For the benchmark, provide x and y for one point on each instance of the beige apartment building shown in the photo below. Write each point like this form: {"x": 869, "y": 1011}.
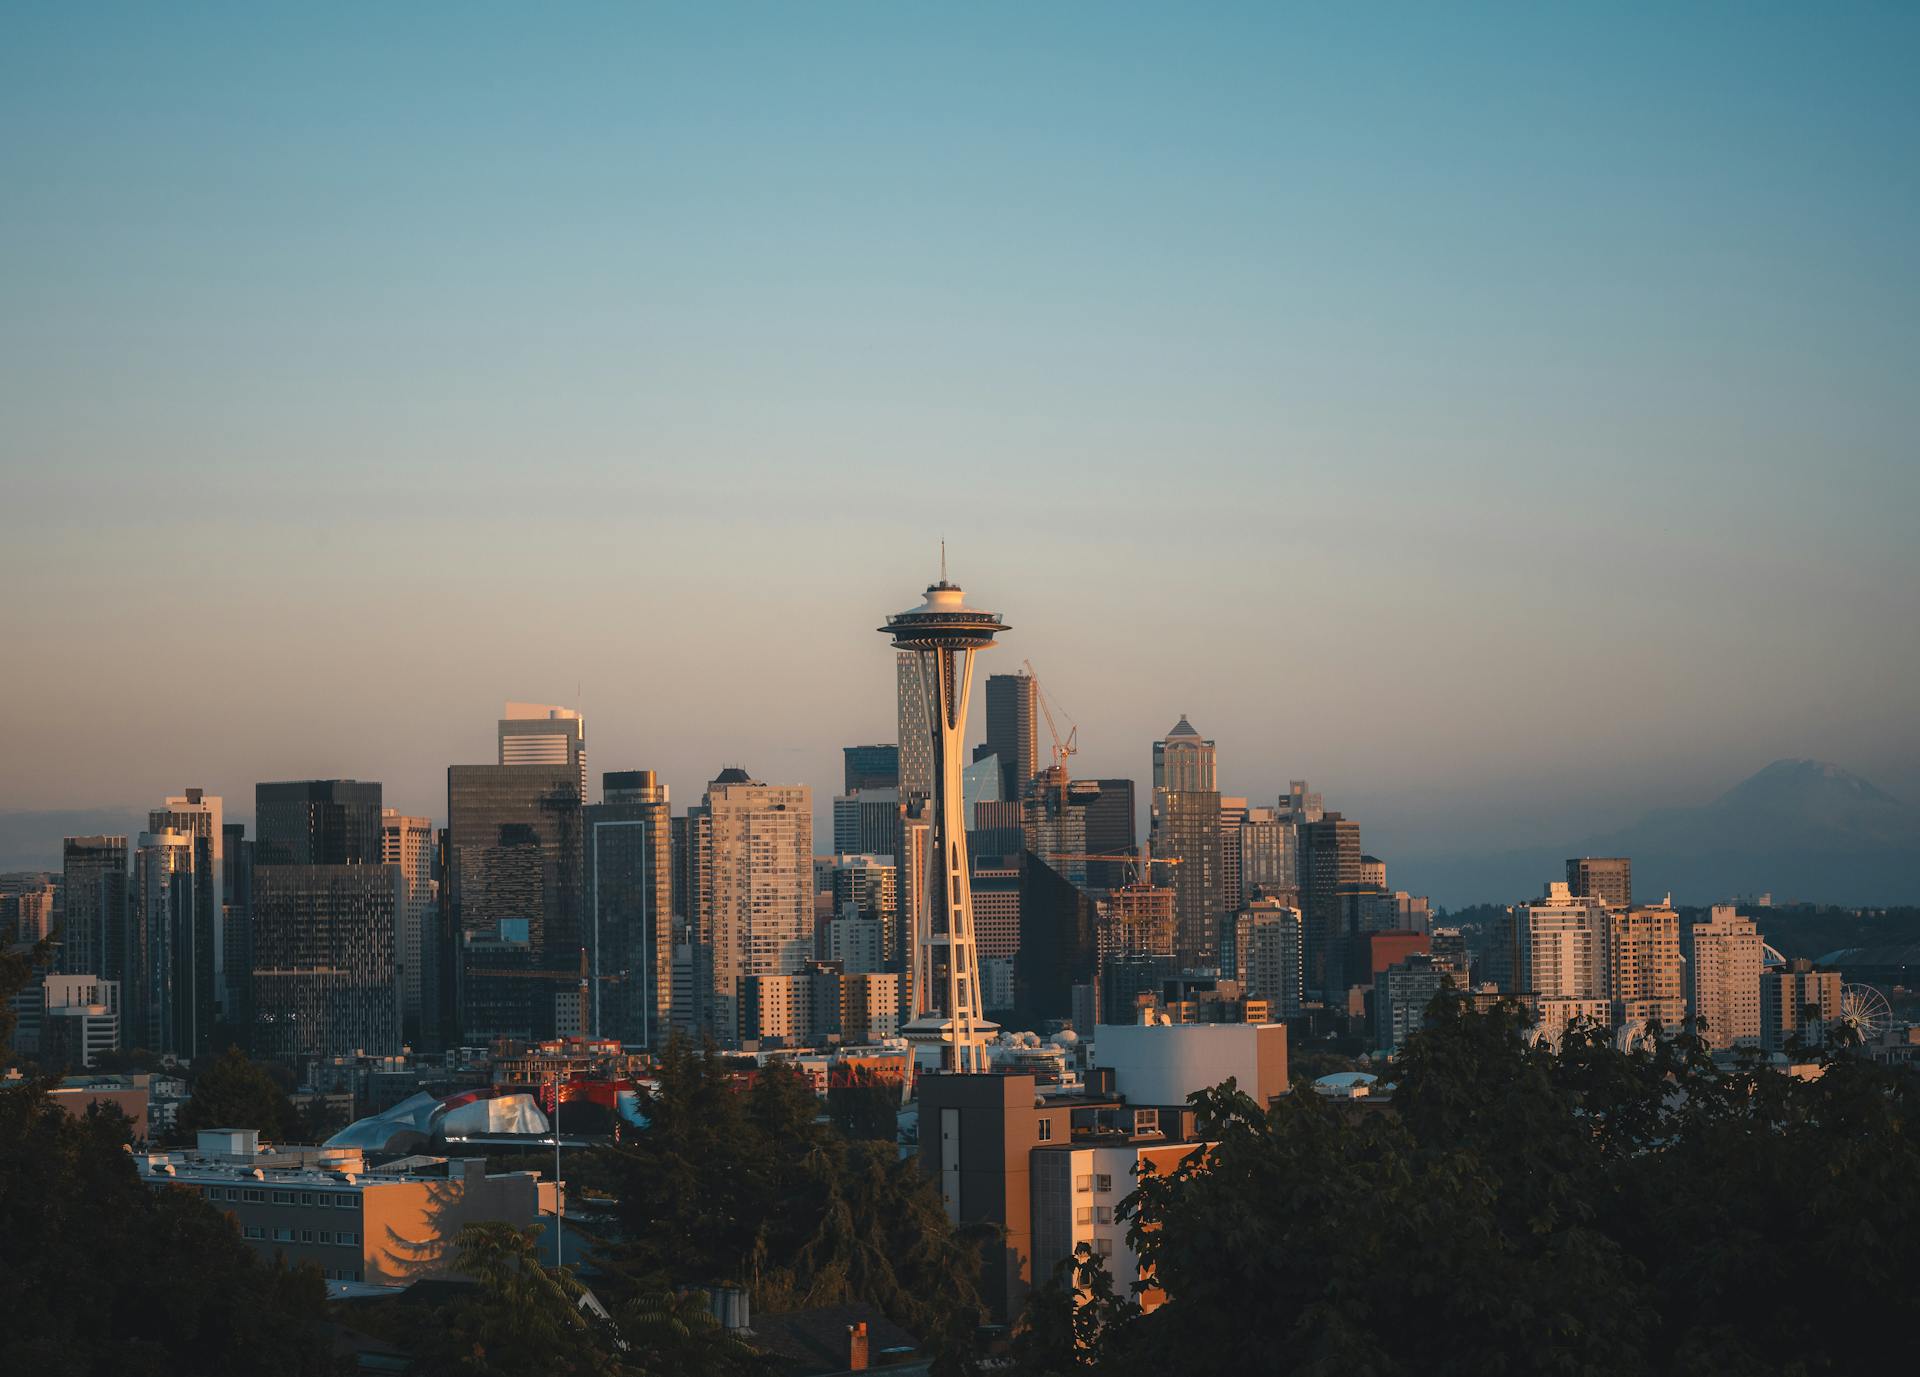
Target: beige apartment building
{"x": 390, "y": 1225}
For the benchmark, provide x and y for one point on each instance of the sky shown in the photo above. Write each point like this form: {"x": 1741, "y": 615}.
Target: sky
{"x": 1502, "y": 416}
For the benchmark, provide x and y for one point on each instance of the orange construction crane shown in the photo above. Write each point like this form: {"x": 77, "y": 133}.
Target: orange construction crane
{"x": 1061, "y": 749}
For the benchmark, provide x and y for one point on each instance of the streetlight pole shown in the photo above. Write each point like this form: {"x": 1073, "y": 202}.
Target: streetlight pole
{"x": 559, "y": 1189}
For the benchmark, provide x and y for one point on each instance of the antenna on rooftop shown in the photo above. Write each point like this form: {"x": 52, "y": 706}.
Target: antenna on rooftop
{"x": 943, "y": 559}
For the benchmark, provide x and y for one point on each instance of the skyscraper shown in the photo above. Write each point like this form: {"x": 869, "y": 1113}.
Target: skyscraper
{"x": 1646, "y": 972}
{"x": 750, "y": 876}
{"x": 198, "y": 814}
{"x": 325, "y": 982}
{"x": 1329, "y": 852}
{"x": 1187, "y": 829}
{"x": 1011, "y": 731}
{"x": 942, "y": 635}
{"x": 1561, "y": 947}
{"x": 94, "y": 903}
{"x": 1183, "y": 762}
{"x": 1797, "y": 1003}
{"x": 872, "y": 767}
{"x": 1606, "y": 878}
{"x": 236, "y": 921}
{"x": 542, "y": 734}
{"x": 1269, "y": 863}
{"x": 1233, "y": 817}
{"x": 167, "y": 996}
{"x": 515, "y": 853}
{"x": 1724, "y": 966}
{"x": 1111, "y": 831}
{"x": 408, "y": 843}
{"x": 316, "y": 822}
{"x": 916, "y": 728}
{"x": 629, "y": 927}
{"x": 1268, "y": 956}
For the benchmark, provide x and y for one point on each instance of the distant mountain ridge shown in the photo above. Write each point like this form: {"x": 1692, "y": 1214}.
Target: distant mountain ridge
{"x": 1798, "y": 829}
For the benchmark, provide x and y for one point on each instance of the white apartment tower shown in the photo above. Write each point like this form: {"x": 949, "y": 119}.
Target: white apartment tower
{"x": 750, "y": 881}
{"x": 1563, "y": 956}
{"x": 542, "y": 734}
{"x": 1723, "y": 978}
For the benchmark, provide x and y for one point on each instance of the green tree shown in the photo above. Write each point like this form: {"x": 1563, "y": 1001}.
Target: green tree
{"x": 749, "y": 1185}
{"x": 101, "y": 1272}
{"x": 1522, "y": 1209}
{"x": 233, "y": 1092}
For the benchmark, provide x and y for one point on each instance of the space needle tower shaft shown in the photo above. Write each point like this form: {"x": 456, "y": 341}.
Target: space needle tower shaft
{"x": 946, "y": 1029}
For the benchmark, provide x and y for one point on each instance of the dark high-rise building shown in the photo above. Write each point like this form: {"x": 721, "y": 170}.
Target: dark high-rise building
{"x": 1110, "y": 832}
{"x": 872, "y": 767}
{"x": 515, "y": 852}
{"x": 236, "y": 919}
{"x": 1058, "y": 944}
{"x": 94, "y": 902}
{"x": 629, "y": 926}
{"x": 325, "y": 981}
{"x": 316, "y": 822}
{"x": 1329, "y": 850}
{"x": 1606, "y": 878}
{"x": 1011, "y": 731}
{"x": 167, "y": 999}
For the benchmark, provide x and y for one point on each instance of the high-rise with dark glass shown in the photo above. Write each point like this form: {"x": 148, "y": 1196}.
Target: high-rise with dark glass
{"x": 872, "y": 767}
{"x": 94, "y": 900}
{"x": 1111, "y": 832}
{"x": 1329, "y": 852}
{"x": 316, "y": 822}
{"x": 325, "y": 982}
{"x": 629, "y": 923}
{"x": 1011, "y": 731}
{"x": 514, "y": 852}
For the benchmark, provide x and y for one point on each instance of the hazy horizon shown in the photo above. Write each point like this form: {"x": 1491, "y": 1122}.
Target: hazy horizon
{"x": 1504, "y": 423}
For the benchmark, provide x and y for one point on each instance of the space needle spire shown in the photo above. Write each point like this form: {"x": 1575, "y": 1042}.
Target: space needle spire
{"x": 946, "y": 1029}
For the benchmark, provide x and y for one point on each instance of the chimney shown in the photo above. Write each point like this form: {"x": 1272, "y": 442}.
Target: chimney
{"x": 857, "y": 1347}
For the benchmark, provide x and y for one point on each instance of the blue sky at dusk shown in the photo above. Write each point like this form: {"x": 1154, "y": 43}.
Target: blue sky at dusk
{"x": 1503, "y": 416}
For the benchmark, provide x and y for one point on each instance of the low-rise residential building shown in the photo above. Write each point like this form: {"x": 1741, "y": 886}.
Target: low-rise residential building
{"x": 324, "y": 1206}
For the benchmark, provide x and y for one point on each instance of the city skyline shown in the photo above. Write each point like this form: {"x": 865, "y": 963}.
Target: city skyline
{"x": 649, "y": 311}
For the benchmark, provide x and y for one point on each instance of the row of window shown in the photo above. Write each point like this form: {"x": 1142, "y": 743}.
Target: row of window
{"x": 1093, "y": 1214}
{"x": 286, "y": 1235}
{"x": 1099, "y": 1182}
{"x": 322, "y": 1199}
{"x": 341, "y": 1273}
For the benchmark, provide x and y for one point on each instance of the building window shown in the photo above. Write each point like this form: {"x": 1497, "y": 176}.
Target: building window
{"x": 254, "y": 1231}
{"x": 1102, "y": 1215}
{"x": 1083, "y": 1215}
{"x": 306, "y": 1197}
{"x": 283, "y": 1197}
{"x": 1103, "y": 1246}
{"x": 257, "y": 1197}
{"x": 1046, "y": 1130}
{"x": 326, "y": 1235}
{"x": 283, "y": 1235}
{"x": 1083, "y": 1183}
{"x": 345, "y": 1202}
{"x": 1103, "y": 1182}
{"x": 306, "y": 1235}
{"x": 350, "y": 1240}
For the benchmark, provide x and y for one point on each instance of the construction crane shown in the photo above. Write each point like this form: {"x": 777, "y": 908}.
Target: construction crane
{"x": 1061, "y": 748}
{"x": 1144, "y": 862}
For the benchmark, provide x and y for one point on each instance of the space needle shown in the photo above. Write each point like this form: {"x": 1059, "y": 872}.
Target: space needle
{"x": 946, "y": 1030}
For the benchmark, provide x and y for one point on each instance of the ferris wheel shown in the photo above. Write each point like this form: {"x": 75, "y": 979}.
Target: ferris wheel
{"x": 1864, "y": 1009}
